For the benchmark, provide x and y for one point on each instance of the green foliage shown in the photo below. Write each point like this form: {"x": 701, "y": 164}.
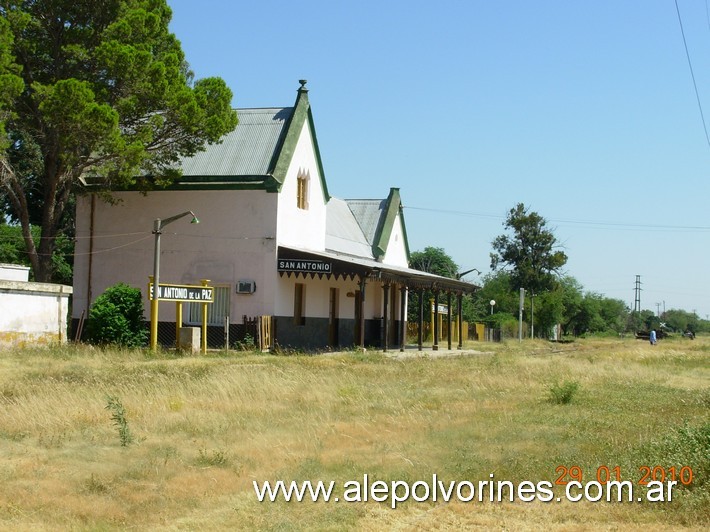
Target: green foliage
{"x": 434, "y": 260}
{"x": 548, "y": 311}
{"x": 109, "y": 97}
{"x": 431, "y": 260}
{"x": 116, "y": 318}
{"x": 578, "y": 312}
{"x": 118, "y": 416}
{"x": 562, "y": 394}
{"x": 529, "y": 251}
{"x": 13, "y": 250}
{"x": 497, "y": 286}
{"x": 10, "y": 82}
{"x": 614, "y": 312}
{"x": 685, "y": 447}
{"x": 216, "y": 458}
{"x": 246, "y": 344}
{"x": 12, "y": 247}
{"x": 681, "y": 321}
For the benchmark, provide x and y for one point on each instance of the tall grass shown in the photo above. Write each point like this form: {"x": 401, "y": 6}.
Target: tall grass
{"x": 204, "y": 428}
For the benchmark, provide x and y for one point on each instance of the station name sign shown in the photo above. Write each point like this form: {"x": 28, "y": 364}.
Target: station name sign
{"x": 179, "y": 292}
{"x": 304, "y": 266}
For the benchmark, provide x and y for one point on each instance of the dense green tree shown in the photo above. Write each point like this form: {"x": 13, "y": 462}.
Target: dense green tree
{"x": 10, "y": 83}
{"x": 528, "y": 252}
{"x": 14, "y": 251}
{"x": 548, "y": 312}
{"x": 614, "y": 312}
{"x": 648, "y": 320}
{"x": 434, "y": 260}
{"x": 681, "y": 321}
{"x": 431, "y": 260}
{"x": 106, "y": 93}
{"x": 497, "y": 286}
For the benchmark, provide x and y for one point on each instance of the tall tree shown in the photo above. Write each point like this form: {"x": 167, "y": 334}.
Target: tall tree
{"x": 434, "y": 260}
{"x": 10, "y": 88}
{"x": 106, "y": 93}
{"x": 529, "y": 252}
{"x": 431, "y": 260}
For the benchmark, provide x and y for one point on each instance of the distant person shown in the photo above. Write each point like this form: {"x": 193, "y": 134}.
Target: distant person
{"x": 652, "y": 337}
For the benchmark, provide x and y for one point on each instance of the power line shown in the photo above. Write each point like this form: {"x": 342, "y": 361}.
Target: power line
{"x": 692, "y": 74}
{"x": 608, "y": 225}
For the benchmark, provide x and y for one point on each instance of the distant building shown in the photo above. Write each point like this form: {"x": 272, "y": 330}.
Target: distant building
{"x": 271, "y": 240}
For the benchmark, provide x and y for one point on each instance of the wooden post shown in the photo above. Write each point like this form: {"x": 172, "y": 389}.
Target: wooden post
{"x": 361, "y": 340}
{"x": 385, "y": 312}
{"x": 204, "y": 282}
{"x": 420, "y": 334}
{"x": 448, "y": 321}
{"x": 459, "y": 297}
{"x": 178, "y": 323}
{"x": 403, "y": 317}
{"x": 435, "y": 345}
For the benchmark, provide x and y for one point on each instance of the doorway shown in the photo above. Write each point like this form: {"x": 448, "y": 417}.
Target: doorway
{"x": 333, "y": 318}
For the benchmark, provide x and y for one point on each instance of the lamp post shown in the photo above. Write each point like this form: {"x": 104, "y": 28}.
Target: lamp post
{"x": 158, "y": 225}
{"x": 491, "y": 330}
{"x": 461, "y": 274}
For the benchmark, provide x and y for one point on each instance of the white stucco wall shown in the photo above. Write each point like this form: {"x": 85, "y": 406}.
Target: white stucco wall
{"x": 296, "y": 227}
{"x": 234, "y": 240}
{"x": 396, "y": 254}
{"x": 33, "y": 313}
{"x": 14, "y": 272}
{"x": 318, "y": 297}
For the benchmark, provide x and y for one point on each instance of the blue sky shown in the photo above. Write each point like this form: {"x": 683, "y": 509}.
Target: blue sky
{"x": 583, "y": 111}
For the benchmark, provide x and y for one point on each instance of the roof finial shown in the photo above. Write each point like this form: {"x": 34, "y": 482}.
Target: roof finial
{"x": 303, "y": 84}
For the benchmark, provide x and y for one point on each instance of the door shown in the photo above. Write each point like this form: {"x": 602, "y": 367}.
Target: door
{"x": 333, "y": 318}
{"x": 358, "y": 317}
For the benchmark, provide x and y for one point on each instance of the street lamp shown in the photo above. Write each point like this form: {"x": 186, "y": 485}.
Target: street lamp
{"x": 493, "y": 304}
{"x": 459, "y": 275}
{"x": 158, "y": 225}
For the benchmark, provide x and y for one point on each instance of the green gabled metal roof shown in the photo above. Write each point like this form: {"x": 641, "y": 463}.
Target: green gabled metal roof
{"x": 301, "y": 113}
{"x": 376, "y": 218}
{"x": 343, "y": 234}
{"x": 367, "y": 213}
{"x": 258, "y": 153}
{"x": 249, "y": 150}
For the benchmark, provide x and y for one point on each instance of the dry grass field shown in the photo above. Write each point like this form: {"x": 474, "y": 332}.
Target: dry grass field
{"x": 198, "y": 431}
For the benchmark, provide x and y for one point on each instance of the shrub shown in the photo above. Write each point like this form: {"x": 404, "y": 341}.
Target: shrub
{"x": 562, "y": 394}
{"x": 116, "y": 318}
{"x": 118, "y": 416}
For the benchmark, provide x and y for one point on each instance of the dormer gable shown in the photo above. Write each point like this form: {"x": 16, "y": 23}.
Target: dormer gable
{"x": 301, "y": 115}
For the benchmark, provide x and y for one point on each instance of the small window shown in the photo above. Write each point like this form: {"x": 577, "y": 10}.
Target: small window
{"x": 299, "y": 304}
{"x": 216, "y": 311}
{"x": 302, "y": 191}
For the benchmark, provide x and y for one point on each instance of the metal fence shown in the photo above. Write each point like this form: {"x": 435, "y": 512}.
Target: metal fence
{"x": 251, "y": 333}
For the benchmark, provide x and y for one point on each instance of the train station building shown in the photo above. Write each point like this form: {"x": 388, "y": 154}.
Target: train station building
{"x": 323, "y": 272}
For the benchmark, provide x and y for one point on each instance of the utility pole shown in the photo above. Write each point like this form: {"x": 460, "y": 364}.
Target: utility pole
{"x": 637, "y": 295}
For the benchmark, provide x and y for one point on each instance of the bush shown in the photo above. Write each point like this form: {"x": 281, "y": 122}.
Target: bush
{"x": 562, "y": 394}
{"x": 116, "y": 318}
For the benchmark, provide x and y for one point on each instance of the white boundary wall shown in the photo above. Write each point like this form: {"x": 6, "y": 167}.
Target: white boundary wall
{"x": 33, "y": 313}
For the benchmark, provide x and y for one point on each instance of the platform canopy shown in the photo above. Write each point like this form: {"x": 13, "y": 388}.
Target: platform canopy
{"x": 293, "y": 261}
